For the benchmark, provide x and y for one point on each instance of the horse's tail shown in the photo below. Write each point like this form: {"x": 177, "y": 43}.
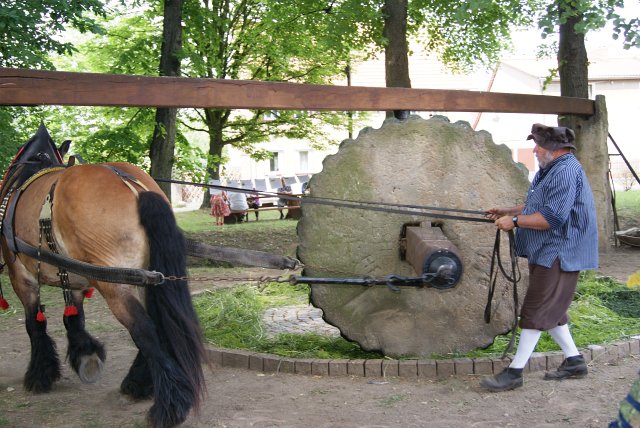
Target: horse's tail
{"x": 169, "y": 304}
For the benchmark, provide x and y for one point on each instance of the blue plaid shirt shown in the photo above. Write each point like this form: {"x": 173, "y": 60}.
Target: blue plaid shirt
{"x": 561, "y": 193}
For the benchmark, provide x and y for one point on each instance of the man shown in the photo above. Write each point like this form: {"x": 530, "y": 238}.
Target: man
{"x": 286, "y": 190}
{"x": 557, "y": 233}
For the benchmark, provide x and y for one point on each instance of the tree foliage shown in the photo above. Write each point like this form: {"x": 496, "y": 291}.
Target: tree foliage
{"x": 29, "y": 32}
{"x": 130, "y": 45}
{"x": 465, "y": 34}
{"x": 572, "y": 20}
{"x": 29, "y": 29}
{"x": 595, "y": 14}
{"x": 307, "y": 41}
{"x": 267, "y": 40}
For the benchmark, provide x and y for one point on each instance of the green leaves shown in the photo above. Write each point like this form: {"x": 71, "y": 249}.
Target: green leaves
{"x": 595, "y": 15}
{"x": 29, "y": 29}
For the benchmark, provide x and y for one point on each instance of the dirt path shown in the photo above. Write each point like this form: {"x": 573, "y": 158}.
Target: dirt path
{"x": 240, "y": 398}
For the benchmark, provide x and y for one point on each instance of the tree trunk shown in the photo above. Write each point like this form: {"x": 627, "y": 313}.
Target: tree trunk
{"x": 573, "y": 64}
{"x": 591, "y": 132}
{"x": 396, "y": 51}
{"x": 215, "y": 120}
{"x": 163, "y": 142}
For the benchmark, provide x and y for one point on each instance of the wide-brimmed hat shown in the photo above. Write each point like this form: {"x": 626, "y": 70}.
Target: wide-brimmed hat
{"x": 552, "y": 137}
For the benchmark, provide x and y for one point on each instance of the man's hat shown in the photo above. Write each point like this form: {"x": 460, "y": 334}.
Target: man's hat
{"x": 552, "y": 137}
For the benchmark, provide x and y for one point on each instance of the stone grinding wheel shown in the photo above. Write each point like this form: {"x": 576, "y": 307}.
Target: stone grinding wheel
{"x": 422, "y": 162}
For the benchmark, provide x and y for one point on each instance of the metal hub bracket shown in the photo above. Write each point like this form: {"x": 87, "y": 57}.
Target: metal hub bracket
{"x": 446, "y": 268}
{"x": 430, "y": 253}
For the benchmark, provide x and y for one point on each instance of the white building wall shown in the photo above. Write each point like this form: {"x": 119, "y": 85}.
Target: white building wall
{"x": 242, "y": 167}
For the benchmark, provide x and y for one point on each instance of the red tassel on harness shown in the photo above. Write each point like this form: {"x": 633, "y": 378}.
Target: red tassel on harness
{"x": 4, "y": 305}
{"x": 70, "y": 311}
{"x": 40, "y": 316}
{"x": 88, "y": 293}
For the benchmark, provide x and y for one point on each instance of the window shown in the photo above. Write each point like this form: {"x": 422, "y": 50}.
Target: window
{"x": 304, "y": 160}
{"x": 270, "y": 115}
{"x": 273, "y": 162}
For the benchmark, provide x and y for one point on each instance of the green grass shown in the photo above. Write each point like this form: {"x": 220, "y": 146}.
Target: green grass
{"x": 628, "y": 208}
{"x": 202, "y": 221}
{"x": 629, "y": 200}
{"x": 603, "y": 311}
{"x": 394, "y": 399}
{"x": 270, "y": 234}
{"x": 232, "y": 318}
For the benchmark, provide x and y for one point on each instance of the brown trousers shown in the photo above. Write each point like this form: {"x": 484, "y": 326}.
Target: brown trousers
{"x": 548, "y": 297}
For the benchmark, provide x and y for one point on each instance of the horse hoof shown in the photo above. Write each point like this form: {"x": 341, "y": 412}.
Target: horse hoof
{"x": 90, "y": 368}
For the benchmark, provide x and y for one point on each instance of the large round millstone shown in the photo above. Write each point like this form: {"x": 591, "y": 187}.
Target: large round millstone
{"x": 422, "y": 162}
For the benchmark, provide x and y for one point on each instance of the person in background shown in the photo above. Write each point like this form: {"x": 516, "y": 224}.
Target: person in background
{"x": 253, "y": 200}
{"x": 219, "y": 205}
{"x": 238, "y": 205}
{"x": 284, "y": 189}
{"x": 556, "y": 232}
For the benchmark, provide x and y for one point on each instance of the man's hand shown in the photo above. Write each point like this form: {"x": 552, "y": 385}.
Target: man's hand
{"x": 505, "y": 223}
{"x": 494, "y": 213}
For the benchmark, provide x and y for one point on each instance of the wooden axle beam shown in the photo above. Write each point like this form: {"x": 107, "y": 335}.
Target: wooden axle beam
{"x": 21, "y": 87}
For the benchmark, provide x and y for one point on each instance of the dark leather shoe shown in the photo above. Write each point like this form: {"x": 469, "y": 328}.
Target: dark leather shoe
{"x": 572, "y": 367}
{"x": 506, "y": 380}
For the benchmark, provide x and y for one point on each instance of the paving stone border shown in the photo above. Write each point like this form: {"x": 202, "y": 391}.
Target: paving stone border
{"x": 427, "y": 368}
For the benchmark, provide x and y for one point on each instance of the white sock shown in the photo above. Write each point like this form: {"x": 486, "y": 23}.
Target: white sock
{"x": 527, "y": 343}
{"x": 563, "y": 338}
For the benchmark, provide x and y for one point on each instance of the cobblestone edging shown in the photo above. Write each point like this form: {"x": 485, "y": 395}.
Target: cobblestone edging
{"x": 430, "y": 369}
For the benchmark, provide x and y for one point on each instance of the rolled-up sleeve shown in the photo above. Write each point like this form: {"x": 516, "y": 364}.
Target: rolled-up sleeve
{"x": 560, "y": 194}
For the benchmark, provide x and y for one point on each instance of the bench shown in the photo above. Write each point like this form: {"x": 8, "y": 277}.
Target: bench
{"x": 239, "y": 216}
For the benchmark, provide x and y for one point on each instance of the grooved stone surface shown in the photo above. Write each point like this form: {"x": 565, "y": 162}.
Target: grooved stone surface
{"x": 420, "y": 162}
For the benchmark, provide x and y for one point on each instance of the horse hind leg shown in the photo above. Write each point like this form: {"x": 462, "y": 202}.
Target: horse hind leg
{"x": 138, "y": 383}
{"x": 85, "y": 354}
{"x": 154, "y": 369}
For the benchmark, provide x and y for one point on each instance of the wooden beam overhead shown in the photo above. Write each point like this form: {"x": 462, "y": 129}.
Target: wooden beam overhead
{"x": 21, "y": 87}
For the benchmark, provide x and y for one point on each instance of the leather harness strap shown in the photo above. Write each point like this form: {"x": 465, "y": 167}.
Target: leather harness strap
{"x": 8, "y": 215}
{"x": 127, "y": 179}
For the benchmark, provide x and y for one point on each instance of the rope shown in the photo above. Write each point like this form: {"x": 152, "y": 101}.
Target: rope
{"x": 419, "y": 210}
{"x": 513, "y": 278}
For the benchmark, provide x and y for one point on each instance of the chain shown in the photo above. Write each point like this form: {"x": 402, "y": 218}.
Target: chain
{"x": 284, "y": 278}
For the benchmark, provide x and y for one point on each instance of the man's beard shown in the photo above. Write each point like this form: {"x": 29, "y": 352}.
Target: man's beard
{"x": 545, "y": 159}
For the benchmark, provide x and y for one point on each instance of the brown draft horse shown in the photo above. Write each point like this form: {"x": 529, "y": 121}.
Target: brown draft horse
{"x": 104, "y": 216}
